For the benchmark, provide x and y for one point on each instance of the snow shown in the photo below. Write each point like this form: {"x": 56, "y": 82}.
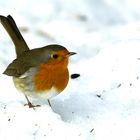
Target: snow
{"x": 103, "y": 103}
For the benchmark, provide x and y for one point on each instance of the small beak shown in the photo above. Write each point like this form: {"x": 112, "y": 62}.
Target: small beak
{"x": 71, "y": 53}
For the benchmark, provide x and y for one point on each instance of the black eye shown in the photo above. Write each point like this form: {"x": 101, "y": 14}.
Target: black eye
{"x": 55, "y": 56}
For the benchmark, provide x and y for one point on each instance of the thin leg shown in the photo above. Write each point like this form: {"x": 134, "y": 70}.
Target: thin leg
{"x": 30, "y": 104}
{"x": 49, "y": 103}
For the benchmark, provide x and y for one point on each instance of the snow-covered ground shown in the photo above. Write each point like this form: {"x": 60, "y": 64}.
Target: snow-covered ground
{"x": 104, "y": 102}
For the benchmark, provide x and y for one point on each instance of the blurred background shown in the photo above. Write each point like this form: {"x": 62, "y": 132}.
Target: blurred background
{"x": 75, "y": 24}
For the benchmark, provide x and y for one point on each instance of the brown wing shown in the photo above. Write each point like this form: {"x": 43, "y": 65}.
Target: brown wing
{"x": 29, "y": 59}
{"x": 16, "y": 68}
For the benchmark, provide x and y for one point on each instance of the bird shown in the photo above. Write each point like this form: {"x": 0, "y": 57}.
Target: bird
{"x": 40, "y": 73}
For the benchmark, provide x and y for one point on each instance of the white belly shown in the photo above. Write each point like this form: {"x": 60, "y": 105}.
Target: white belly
{"x": 44, "y": 95}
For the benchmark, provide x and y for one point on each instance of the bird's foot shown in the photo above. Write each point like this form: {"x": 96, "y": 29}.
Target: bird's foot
{"x": 30, "y": 105}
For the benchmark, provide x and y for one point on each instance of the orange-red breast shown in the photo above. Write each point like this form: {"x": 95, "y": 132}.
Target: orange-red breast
{"x": 40, "y": 72}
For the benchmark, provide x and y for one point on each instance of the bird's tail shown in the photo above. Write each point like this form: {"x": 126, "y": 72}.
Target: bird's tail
{"x": 13, "y": 31}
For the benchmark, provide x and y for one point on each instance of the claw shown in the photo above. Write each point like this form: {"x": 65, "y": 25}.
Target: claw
{"x": 31, "y": 105}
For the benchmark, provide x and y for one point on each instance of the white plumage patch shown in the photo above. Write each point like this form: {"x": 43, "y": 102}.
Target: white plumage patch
{"x": 45, "y": 94}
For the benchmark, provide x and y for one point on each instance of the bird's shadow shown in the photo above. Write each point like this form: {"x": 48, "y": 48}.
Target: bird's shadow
{"x": 81, "y": 106}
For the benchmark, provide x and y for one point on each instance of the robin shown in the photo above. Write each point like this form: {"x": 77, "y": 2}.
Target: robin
{"x": 40, "y": 72}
